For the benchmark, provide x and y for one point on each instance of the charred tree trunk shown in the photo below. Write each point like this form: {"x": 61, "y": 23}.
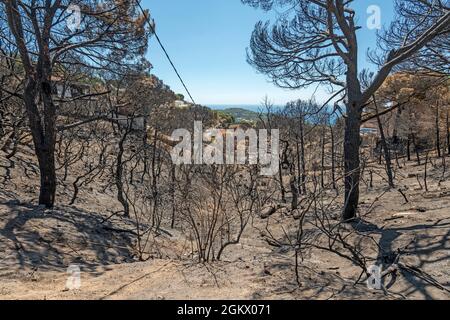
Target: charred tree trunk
{"x": 351, "y": 145}
{"x": 38, "y": 89}
{"x": 322, "y": 161}
{"x": 302, "y": 156}
{"x": 299, "y": 166}
{"x": 155, "y": 175}
{"x": 280, "y": 178}
{"x": 145, "y": 147}
{"x": 46, "y": 159}
{"x": 438, "y": 133}
{"x": 294, "y": 190}
{"x": 44, "y": 135}
{"x": 387, "y": 155}
{"x": 408, "y": 148}
{"x": 352, "y": 162}
{"x": 333, "y": 159}
{"x": 172, "y": 193}
{"x": 416, "y": 148}
{"x": 119, "y": 175}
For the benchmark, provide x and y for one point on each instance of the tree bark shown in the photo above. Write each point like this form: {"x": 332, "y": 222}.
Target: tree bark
{"x": 46, "y": 159}
{"x": 351, "y": 160}
{"x": 352, "y": 141}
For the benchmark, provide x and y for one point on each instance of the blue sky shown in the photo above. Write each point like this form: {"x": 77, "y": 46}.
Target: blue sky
{"x": 207, "y": 40}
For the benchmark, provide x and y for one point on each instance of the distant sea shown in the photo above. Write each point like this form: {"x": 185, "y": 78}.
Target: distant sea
{"x": 249, "y": 107}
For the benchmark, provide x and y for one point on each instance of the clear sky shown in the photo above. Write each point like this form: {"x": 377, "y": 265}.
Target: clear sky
{"x": 207, "y": 40}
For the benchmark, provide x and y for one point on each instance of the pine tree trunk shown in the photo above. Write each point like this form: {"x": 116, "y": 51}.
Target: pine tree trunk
{"x": 299, "y": 167}
{"x": 303, "y": 162}
{"x": 44, "y": 135}
{"x": 438, "y": 133}
{"x": 351, "y": 160}
{"x": 119, "y": 175}
{"x": 46, "y": 159}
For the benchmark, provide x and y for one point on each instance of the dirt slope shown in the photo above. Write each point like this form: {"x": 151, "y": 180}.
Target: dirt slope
{"x": 37, "y": 246}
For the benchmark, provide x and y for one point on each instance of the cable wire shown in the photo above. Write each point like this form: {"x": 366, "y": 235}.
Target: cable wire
{"x": 152, "y": 28}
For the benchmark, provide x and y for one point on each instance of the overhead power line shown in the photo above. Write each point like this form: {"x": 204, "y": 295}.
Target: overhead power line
{"x": 152, "y": 28}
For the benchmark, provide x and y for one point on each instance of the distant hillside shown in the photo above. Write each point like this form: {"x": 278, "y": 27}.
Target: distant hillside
{"x": 240, "y": 114}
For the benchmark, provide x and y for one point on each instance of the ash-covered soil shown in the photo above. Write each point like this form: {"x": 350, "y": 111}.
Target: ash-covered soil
{"x": 37, "y": 246}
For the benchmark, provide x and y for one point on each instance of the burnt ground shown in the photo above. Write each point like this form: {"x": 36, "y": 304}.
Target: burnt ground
{"x": 37, "y": 246}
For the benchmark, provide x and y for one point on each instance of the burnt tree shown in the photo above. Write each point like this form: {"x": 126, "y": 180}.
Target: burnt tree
{"x": 110, "y": 37}
{"x": 315, "y": 42}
